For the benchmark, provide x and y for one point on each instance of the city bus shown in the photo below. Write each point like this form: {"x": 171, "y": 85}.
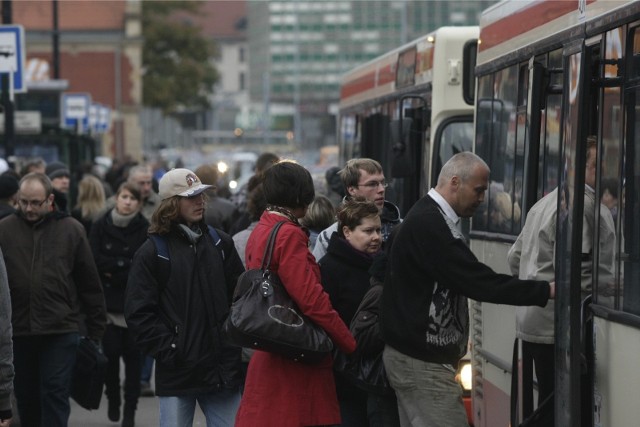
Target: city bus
{"x": 411, "y": 109}
{"x": 549, "y": 75}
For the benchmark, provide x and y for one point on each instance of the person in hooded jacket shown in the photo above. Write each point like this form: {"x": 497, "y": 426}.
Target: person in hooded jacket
{"x": 176, "y": 303}
{"x": 345, "y": 277}
{"x": 114, "y": 239}
{"x": 365, "y": 178}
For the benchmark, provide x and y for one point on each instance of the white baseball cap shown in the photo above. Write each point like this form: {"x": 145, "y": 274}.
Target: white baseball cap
{"x": 180, "y": 182}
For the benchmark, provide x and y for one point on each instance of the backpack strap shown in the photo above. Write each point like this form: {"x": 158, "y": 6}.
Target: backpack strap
{"x": 162, "y": 249}
{"x": 162, "y": 252}
{"x": 217, "y": 240}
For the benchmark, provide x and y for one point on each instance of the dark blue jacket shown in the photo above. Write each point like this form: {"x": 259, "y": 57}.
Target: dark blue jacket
{"x": 176, "y": 316}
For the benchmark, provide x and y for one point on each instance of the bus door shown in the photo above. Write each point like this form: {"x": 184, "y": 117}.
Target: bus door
{"x": 406, "y": 151}
{"x": 579, "y": 120}
{"x": 616, "y": 292}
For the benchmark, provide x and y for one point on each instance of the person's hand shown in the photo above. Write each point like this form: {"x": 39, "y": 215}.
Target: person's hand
{"x": 5, "y": 423}
{"x": 552, "y": 289}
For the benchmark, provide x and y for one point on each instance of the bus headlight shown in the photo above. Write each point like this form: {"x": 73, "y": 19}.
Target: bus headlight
{"x": 464, "y": 376}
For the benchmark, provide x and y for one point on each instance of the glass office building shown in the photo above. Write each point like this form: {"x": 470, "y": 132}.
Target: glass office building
{"x": 299, "y": 49}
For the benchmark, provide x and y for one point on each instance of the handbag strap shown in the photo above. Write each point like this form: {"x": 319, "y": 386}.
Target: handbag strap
{"x": 268, "y": 249}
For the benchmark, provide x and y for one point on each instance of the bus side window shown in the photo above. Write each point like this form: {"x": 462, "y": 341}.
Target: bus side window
{"x": 499, "y": 141}
{"x": 452, "y": 138}
{"x": 630, "y": 197}
{"x": 375, "y": 136}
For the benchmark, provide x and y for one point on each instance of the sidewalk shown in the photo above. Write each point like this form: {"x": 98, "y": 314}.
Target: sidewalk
{"x": 146, "y": 416}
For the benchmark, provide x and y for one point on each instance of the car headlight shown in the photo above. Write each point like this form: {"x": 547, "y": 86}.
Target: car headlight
{"x": 464, "y": 376}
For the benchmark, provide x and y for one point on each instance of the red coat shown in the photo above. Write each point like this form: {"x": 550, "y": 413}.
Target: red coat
{"x": 280, "y": 392}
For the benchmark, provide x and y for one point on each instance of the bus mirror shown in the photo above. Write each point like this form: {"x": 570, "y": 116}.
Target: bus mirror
{"x": 469, "y": 53}
{"x": 402, "y": 163}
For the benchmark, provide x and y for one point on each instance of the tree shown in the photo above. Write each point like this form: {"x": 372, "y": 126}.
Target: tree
{"x": 176, "y": 58}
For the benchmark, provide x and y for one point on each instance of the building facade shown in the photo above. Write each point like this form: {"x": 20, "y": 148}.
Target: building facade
{"x": 100, "y": 53}
{"x": 299, "y": 49}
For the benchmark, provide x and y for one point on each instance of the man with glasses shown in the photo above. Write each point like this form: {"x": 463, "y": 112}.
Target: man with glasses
{"x": 175, "y": 307}
{"x": 363, "y": 177}
{"x": 52, "y": 277}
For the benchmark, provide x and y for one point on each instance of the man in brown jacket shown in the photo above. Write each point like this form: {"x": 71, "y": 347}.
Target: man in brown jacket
{"x": 52, "y": 276}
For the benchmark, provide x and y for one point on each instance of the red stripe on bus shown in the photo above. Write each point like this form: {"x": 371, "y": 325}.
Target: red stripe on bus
{"x": 525, "y": 20}
{"x": 361, "y": 84}
{"x": 368, "y": 81}
{"x": 387, "y": 74}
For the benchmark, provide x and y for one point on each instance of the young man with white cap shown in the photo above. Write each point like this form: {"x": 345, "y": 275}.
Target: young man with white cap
{"x": 179, "y": 292}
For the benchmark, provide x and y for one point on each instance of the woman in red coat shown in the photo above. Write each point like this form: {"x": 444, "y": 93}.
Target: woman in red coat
{"x": 280, "y": 392}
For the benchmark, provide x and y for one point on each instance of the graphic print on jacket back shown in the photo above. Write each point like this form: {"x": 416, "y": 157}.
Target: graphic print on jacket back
{"x": 448, "y": 323}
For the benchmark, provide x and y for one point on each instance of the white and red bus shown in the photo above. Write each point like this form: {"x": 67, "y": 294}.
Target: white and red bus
{"x": 411, "y": 109}
{"x": 550, "y": 74}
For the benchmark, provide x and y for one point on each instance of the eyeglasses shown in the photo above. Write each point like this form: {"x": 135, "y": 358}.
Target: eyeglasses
{"x": 32, "y": 203}
{"x": 374, "y": 184}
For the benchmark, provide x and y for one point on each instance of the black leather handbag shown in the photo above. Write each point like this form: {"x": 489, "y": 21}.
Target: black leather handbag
{"x": 89, "y": 373}
{"x": 366, "y": 373}
{"x": 264, "y": 317}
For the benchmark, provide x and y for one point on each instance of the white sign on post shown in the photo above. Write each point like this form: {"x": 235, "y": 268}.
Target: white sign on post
{"x": 12, "y": 55}
{"x": 25, "y": 122}
{"x": 75, "y": 110}
{"x": 93, "y": 117}
{"x": 104, "y": 119}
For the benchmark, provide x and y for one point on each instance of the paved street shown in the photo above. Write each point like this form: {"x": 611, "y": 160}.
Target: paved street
{"x": 146, "y": 416}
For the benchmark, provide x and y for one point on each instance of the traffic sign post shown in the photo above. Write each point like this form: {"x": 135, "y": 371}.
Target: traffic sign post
{"x": 104, "y": 119}
{"x": 12, "y": 55}
{"x": 75, "y": 111}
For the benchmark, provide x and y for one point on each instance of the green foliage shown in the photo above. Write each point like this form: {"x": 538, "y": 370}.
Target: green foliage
{"x": 176, "y": 58}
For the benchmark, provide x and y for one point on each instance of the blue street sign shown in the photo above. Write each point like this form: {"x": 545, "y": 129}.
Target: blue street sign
{"x": 104, "y": 119}
{"x": 12, "y": 54}
{"x": 75, "y": 111}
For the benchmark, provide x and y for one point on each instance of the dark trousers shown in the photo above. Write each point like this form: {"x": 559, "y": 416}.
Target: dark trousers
{"x": 118, "y": 342}
{"x": 43, "y": 368}
{"x": 542, "y": 356}
{"x": 353, "y": 403}
{"x": 382, "y": 410}
{"x": 147, "y": 369}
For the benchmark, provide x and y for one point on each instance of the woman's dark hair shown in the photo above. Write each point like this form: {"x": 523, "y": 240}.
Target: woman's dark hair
{"x": 133, "y": 189}
{"x": 610, "y": 184}
{"x": 353, "y": 211}
{"x": 289, "y": 185}
{"x": 256, "y": 203}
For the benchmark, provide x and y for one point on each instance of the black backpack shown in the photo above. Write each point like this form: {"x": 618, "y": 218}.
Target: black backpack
{"x": 162, "y": 252}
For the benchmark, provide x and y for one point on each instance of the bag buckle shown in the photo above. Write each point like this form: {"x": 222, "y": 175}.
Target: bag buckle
{"x": 266, "y": 289}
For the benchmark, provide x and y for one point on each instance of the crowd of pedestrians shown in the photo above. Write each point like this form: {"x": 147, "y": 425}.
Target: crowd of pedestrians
{"x": 145, "y": 264}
